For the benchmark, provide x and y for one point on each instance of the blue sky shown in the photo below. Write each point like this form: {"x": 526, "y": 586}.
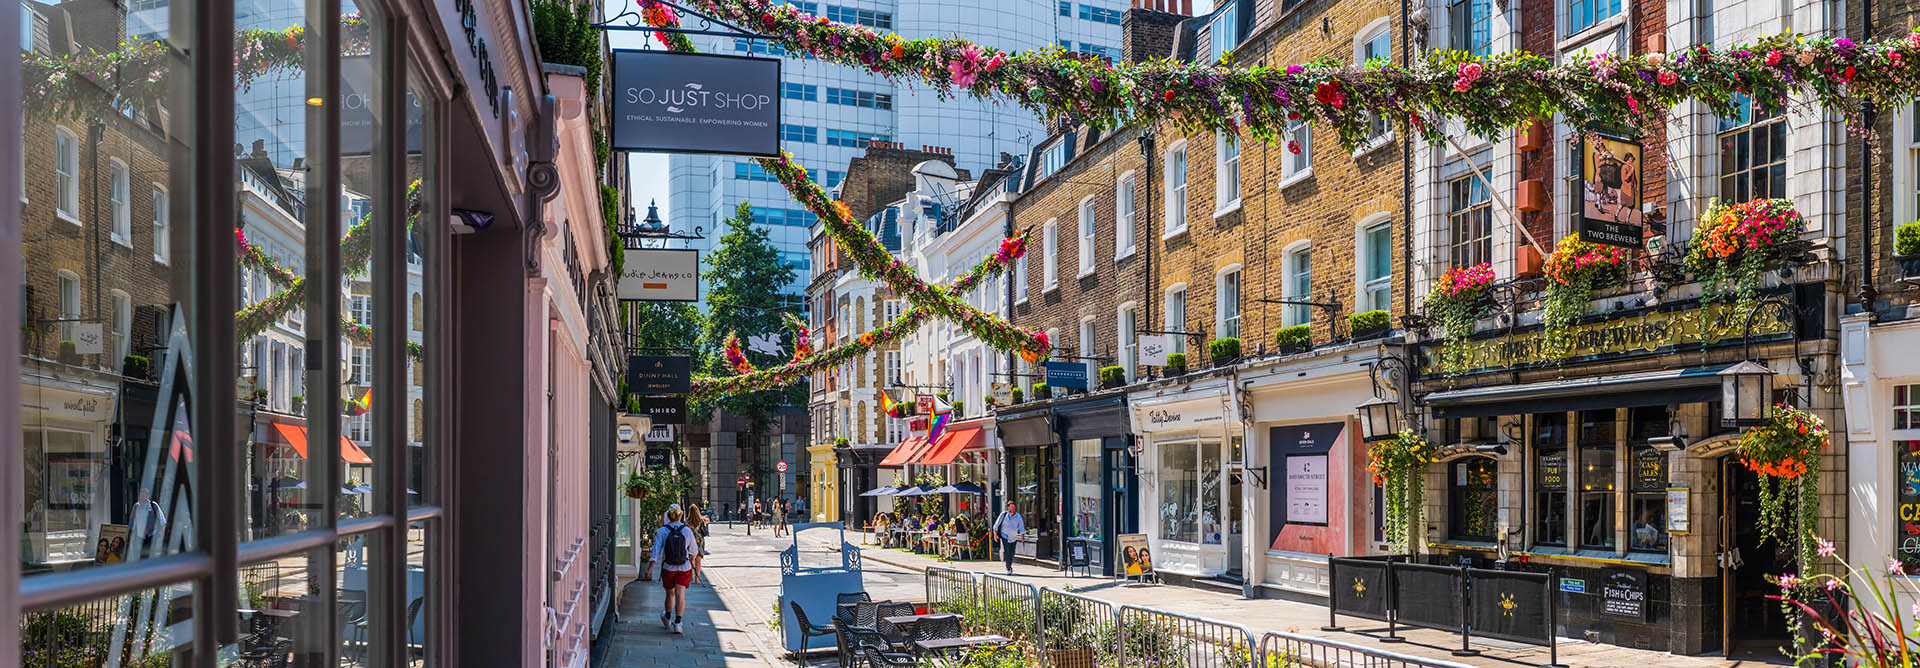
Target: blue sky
{"x": 650, "y": 169}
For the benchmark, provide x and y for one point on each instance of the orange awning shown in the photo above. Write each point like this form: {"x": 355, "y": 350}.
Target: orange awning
{"x": 297, "y": 437}
{"x": 905, "y": 452}
{"x": 950, "y": 444}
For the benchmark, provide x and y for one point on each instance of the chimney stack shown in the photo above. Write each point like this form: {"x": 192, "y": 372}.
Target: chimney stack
{"x": 1147, "y": 30}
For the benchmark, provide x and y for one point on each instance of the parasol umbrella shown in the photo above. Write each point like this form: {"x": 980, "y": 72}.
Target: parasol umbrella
{"x": 883, "y": 490}
{"x": 966, "y": 488}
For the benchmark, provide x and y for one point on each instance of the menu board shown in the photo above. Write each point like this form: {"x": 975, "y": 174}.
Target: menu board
{"x": 1623, "y": 594}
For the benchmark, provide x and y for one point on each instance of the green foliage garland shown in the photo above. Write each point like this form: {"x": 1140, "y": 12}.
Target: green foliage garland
{"x": 564, "y": 29}
{"x": 1574, "y": 270}
{"x": 1398, "y": 464}
{"x": 1786, "y": 453}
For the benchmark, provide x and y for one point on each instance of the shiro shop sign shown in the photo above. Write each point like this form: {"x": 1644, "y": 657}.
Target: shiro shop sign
{"x": 695, "y": 103}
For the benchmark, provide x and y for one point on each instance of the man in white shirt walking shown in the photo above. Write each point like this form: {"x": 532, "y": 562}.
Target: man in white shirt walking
{"x": 1009, "y": 528}
{"x": 676, "y": 549}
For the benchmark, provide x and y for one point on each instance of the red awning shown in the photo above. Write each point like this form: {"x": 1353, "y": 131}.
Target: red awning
{"x": 297, "y": 437}
{"x": 905, "y": 452}
{"x": 950, "y": 445}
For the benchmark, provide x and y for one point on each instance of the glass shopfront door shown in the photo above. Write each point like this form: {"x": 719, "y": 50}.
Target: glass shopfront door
{"x": 1089, "y": 512}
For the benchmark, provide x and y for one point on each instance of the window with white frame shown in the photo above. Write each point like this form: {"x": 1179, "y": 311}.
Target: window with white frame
{"x": 1375, "y": 44}
{"x": 1470, "y": 26}
{"x": 1129, "y": 339}
{"x": 360, "y": 365}
{"x": 893, "y": 367}
{"x": 1223, "y": 32}
{"x": 1086, "y": 235}
{"x": 1753, "y": 152}
{"x": 1049, "y": 260}
{"x": 1123, "y": 208}
{"x": 1913, "y": 160}
{"x": 1088, "y": 351}
{"x": 360, "y": 308}
{"x": 1226, "y": 183}
{"x": 1298, "y": 284}
{"x": 1020, "y": 278}
{"x": 894, "y": 309}
{"x": 1906, "y": 407}
{"x": 1176, "y": 189}
{"x": 69, "y": 294}
{"x": 162, "y": 237}
{"x": 1299, "y": 136}
{"x": 120, "y": 201}
{"x": 1376, "y": 267}
{"x": 1177, "y": 317}
{"x": 1584, "y": 14}
{"x": 1227, "y": 312}
{"x": 66, "y": 173}
{"x": 1469, "y": 221}
{"x": 122, "y": 322}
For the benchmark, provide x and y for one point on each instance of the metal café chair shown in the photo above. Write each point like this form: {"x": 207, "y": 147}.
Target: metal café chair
{"x": 896, "y": 636}
{"x": 879, "y": 659}
{"x": 808, "y": 630}
{"x": 843, "y": 604}
{"x": 939, "y": 628}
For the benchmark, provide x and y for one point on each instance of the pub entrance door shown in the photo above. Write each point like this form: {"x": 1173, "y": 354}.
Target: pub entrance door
{"x": 1752, "y": 626}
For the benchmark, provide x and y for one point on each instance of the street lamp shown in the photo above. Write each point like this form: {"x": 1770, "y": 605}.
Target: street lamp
{"x": 1379, "y": 419}
{"x": 1745, "y": 390}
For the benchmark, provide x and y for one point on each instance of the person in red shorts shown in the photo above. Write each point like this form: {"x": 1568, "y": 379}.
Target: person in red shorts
{"x": 677, "y": 550}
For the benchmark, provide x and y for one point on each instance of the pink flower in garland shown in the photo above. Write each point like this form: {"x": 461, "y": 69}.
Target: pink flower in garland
{"x": 1471, "y": 71}
{"x": 1668, "y": 78}
{"x": 1293, "y": 147}
{"x": 1462, "y": 85}
{"x": 1913, "y": 40}
{"x": 995, "y": 62}
{"x": 1805, "y": 58}
{"x": 1011, "y": 249}
{"x": 1295, "y": 69}
{"x": 966, "y": 67}
{"x": 1773, "y": 58}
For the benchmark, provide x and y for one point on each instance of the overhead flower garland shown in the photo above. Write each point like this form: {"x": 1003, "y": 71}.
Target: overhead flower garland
{"x": 1486, "y": 95}
{"x": 899, "y": 328}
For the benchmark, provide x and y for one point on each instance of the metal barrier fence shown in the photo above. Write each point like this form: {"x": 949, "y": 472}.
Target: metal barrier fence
{"x": 1077, "y": 631}
{"x": 1286, "y": 650}
{"x": 1009, "y": 607}
{"x": 1150, "y": 637}
{"x": 953, "y": 591}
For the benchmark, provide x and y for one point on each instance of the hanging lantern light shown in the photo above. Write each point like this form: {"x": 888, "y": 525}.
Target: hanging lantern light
{"x": 1379, "y": 419}
{"x": 1745, "y": 391}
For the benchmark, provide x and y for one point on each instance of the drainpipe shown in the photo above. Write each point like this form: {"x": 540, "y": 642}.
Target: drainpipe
{"x": 1868, "y": 292}
{"x": 1145, "y": 236}
{"x": 1406, "y": 177}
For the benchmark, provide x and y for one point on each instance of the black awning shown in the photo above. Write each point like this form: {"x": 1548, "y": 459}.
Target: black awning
{"x": 1033, "y": 431}
{"x": 1655, "y": 388}
{"x": 1095, "y": 423}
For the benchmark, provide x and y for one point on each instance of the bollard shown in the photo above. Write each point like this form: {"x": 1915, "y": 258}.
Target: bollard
{"x": 1393, "y": 606}
{"x": 1553, "y": 621}
{"x": 1466, "y": 615}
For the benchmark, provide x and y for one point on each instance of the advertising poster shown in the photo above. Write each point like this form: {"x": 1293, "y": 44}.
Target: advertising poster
{"x": 1307, "y": 489}
{"x": 1610, "y": 191}
{"x": 1134, "y": 557}
{"x": 112, "y": 547}
{"x": 1300, "y": 453}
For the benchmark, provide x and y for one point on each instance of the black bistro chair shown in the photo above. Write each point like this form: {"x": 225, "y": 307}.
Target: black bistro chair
{"x": 940, "y": 628}
{"x": 808, "y": 630}
{"x": 878, "y": 659}
{"x": 896, "y": 636}
{"x": 843, "y": 604}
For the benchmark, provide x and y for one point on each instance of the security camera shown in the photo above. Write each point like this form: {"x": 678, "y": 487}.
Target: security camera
{"x": 468, "y": 221}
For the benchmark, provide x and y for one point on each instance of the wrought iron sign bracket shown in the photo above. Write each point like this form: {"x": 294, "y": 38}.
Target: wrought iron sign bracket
{"x": 631, "y": 21}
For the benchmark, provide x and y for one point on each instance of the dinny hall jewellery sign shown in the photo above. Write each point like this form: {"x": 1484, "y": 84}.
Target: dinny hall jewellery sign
{"x": 1648, "y": 333}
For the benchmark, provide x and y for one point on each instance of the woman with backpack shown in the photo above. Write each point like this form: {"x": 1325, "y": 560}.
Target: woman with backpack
{"x": 677, "y": 549}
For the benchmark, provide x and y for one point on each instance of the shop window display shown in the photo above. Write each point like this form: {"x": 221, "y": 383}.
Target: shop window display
{"x": 1550, "y": 479}
{"x": 1907, "y": 520}
{"x": 1472, "y": 501}
{"x": 1190, "y": 479}
{"x": 1597, "y": 466}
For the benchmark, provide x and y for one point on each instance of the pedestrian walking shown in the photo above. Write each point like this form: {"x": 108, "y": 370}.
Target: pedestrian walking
{"x": 756, "y": 515}
{"x": 148, "y": 521}
{"x": 1009, "y": 528}
{"x": 699, "y": 523}
{"x": 779, "y": 517}
{"x": 676, "y": 549}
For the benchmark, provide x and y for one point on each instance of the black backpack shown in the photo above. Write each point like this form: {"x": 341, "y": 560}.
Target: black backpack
{"x": 676, "y": 552}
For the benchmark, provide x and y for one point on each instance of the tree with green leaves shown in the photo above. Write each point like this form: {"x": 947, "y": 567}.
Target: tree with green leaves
{"x": 745, "y": 275}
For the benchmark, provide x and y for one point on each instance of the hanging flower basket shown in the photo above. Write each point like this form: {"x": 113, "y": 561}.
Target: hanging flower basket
{"x": 1397, "y": 464}
{"x": 1459, "y": 298}
{"x": 1786, "y": 453}
{"x": 1735, "y": 243}
{"x": 1574, "y": 270}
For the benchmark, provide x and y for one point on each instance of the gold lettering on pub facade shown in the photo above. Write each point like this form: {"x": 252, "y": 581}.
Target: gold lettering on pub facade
{"x": 1646, "y": 333}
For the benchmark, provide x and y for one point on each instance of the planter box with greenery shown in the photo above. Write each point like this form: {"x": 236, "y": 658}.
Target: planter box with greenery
{"x": 840, "y": 442}
{"x": 1176, "y": 364}
{"x": 1112, "y": 376}
{"x": 1042, "y": 391}
{"x": 1293, "y": 339}
{"x": 1906, "y": 250}
{"x": 1018, "y": 395}
{"x": 135, "y": 366}
{"x": 299, "y": 403}
{"x": 1223, "y": 351}
{"x": 959, "y": 408}
{"x": 1367, "y": 324}
{"x": 69, "y": 352}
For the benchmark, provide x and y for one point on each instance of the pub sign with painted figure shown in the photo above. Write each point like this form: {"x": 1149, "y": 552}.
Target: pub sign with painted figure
{"x": 1610, "y": 191}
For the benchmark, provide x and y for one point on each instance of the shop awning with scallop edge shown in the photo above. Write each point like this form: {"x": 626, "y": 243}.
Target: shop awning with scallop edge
{"x": 296, "y": 436}
{"x": 951, "y": 444}
{"x": 904, "y": 453}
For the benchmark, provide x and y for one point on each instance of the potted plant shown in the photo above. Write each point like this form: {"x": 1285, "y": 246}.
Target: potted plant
{"x": 135, "y": 366}
{"x": 1293, "y": 339}
{"x": 1112, "y": 376}
{"x": 959, "y": 407}
{"x": 1574, "y": 270}
{"x": 636, "y": 486}
{"x": 259, "y": 395}
{"x": 1176, "y": 364}
{"x": 1018, "y": 396}
{"x": 1042, "y": 391}
{"x": 1367, "y": 324}
{"x": 1906, "y": 250}
{"x": 299, "y": 403}
{"x": 840, "y": 442}
{"x": 1224, "y": 351}
{"x": 69, "y": 352}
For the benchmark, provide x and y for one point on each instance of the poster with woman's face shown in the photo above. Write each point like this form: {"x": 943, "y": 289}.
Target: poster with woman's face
{"x": 1610, "y": 191}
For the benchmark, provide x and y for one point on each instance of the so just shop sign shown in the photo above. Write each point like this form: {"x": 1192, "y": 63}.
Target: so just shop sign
{"x": 696, "y": 103}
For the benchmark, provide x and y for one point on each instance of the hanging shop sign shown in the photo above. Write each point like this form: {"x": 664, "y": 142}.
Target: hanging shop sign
{"x": 1071, "y": 375}
{"x": 664, "y": 410}
{"x": 1154, "y": 349}
{"x": 1648, "y": 333}
{"x": 661, "y": 433}
{"x": 1003, "y": 394}
{"x": 1650, "y": 469}
{"x": 661, "y": 275}
{"x": 659, "y": 374}
{"x": 1610, "y": 191}
{"x": 659, "y": 458}
{"x": 923, "y": 404}
{"x": 667, "y": 102}
{"x": 1623, "y": 594}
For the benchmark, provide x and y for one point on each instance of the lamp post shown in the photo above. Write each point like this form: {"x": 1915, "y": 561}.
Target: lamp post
{"x": 1746, "y": 389}
{"x": 1382, "y": 418}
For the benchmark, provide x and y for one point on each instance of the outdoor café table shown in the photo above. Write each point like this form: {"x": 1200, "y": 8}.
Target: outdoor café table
{"x": 910, "y": 620}
{"x": 945, "y": 644}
